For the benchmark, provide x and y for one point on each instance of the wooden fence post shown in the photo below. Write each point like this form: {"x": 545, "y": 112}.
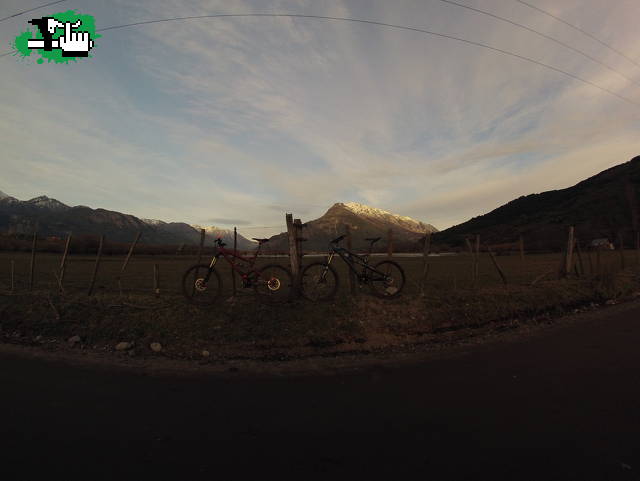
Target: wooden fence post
{"x": 568, "y": 259}
{"x": 495, "y": 263}
{"x": 390, "y": 243}
{"x": 12, "y": 274}
{"x": 126, "y": 260}
{"x": 473, "y": 261}
{"x": 197, "y": 271}
{"x": 476, "y": 270}
{"x": 235, "y": 251}
{"x": 32, "y": 264}
{"x": 297, "y": 223}
{"x": 637, "y": 247}
{"x": 156, "y": 280}
{"x": 352, "y": 280}
{"x": 590, "y": 260}
{"x": 425, "y": 261}
{"x": 621, "y": 249}
{"x": 201, "y": 246}
{"x": 63, "y": 263}
{"x": 95, "y": 267}
{"x": 521, "y": 246}
{"x": 579, "y": 252}
{"x": 294, "y": 258}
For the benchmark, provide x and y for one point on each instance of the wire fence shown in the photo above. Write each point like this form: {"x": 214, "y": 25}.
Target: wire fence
{"x": 152, "y": 281}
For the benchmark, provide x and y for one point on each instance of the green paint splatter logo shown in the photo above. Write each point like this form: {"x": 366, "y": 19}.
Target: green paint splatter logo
{"x": 58, "y": 38}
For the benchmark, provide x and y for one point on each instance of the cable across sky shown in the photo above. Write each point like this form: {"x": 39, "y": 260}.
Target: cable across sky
{"x": 380, "y": 24}
{"x": 582, "y": 31}
{"x": 545, "y": 36}
{"x": 31, "y": 10}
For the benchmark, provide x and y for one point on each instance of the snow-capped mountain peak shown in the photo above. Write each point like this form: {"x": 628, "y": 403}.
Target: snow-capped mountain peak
{"x": 153, "y": 221}
{"x": 211, "y": 229}
{"x": 362, "y": 209}
{"x": 386, "y": 216}
{"x": 47, "y": 203}
{"x": 3, "y": 195}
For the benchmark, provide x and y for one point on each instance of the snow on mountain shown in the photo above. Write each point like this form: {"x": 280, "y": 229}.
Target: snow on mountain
{"x": 212, "y": 229}
{"x": 226, "y": 235}
{"x": 47, "y": 203}
{"x": 154, "y": 222}
{"x": 388, "y": 217}
{"x": 7, "y": 199}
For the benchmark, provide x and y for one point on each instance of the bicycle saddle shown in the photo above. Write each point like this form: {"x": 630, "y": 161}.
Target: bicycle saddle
{"x": 260, "y": 241}
{"x": 373, "y": 240}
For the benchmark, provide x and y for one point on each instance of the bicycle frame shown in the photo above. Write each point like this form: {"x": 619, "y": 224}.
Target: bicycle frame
{"x": 352, "y": 259}
{"x": 231, "y": 256}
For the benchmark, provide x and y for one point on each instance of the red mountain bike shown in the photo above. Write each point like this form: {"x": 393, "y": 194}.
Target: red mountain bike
{"x": 202, "y": 284}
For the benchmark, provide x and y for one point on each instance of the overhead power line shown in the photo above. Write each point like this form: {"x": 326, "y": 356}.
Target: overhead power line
{"x": 582, "y": 31}
{"x": 540, "y": 34}
{"x": 30, "y": 10}
{"x": 372, "y": 22}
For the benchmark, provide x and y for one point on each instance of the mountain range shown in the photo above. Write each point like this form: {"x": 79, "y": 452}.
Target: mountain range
{"x": 602, "y": 206}
{"x": 53, "y": 218}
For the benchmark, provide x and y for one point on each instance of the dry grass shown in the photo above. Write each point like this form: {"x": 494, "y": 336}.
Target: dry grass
{"x": 244, "y": 328}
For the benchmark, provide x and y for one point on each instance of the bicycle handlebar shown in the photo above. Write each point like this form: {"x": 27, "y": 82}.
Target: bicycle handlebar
{"x": 220, "y": 243}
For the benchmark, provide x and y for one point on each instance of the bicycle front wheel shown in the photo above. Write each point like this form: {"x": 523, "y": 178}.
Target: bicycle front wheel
{"x": 386, "y": 279}
{"x": 274, "y": 284}
{"x": 200, "y": 285}
{"x": 319, "y": 282}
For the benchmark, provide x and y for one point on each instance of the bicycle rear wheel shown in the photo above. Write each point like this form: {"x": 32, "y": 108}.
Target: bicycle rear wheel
{"x": 200, "y": 285}
{"x": 388, "y": 281}
{"x": 274, "y": 284}
{"x": 319, "y": 282}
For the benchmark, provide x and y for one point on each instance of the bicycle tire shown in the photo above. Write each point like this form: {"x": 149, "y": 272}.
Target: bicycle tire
{"x": 274, "y": 284}
{"x": 384, "y": 289}
{"x": 199, "y": 293}
{"x": 308, "y": 276}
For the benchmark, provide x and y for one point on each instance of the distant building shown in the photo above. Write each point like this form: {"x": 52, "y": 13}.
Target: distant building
{"x": 603, "y": 244}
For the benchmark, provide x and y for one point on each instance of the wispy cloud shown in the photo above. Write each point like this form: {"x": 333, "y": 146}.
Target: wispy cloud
{"x": 239, "y": 120}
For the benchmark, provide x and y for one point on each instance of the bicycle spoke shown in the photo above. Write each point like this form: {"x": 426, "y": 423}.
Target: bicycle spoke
{"x": 274, "y": 284}
{"x": 319, "y": 282}
{"x": 389, "y": 279}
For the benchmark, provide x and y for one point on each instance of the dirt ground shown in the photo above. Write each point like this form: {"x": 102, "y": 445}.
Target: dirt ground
{"x": 555, "y": 402}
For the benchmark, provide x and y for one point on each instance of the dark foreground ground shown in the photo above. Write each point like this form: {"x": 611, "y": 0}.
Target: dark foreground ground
{"x": 560, "y": 404}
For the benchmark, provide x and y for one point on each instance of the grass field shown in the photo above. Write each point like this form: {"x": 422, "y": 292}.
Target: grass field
{"x": 242, "y": 327}
{"x": 445, "y": 272}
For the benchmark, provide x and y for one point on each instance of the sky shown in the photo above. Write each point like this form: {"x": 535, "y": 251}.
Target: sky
{"x": 235, "y": 121}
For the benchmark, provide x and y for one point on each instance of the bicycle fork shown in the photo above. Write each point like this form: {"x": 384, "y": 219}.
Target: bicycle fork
{"x": 207, "y": 276}
{"x": 326, "y": 269}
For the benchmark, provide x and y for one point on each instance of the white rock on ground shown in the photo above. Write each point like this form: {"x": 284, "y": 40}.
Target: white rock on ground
{"x": 123, "y": 346}
{"x": 156, "y": 347}
{"x": 74, "y": 340}
{"x": 205, "y": 353}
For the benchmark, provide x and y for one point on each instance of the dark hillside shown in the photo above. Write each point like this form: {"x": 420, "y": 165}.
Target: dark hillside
{"x": 600, "y": 206}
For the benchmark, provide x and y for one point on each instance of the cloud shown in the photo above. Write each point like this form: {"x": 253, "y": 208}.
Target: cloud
{"x": 241, "y": 120}
{"x": 222, "y": 221}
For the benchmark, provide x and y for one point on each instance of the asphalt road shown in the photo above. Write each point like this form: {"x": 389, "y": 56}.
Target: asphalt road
{"x": 561, "y": 404}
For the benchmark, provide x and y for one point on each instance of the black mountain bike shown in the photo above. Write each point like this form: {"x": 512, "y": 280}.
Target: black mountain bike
{"x": 320, "y": 282}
